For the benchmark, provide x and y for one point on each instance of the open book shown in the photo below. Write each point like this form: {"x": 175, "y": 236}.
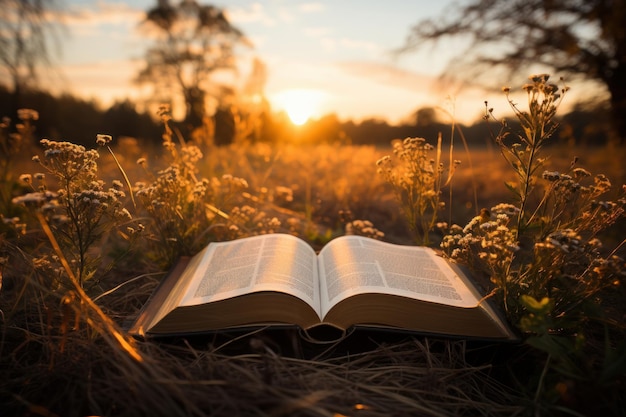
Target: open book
{"x": 354, "y": 281}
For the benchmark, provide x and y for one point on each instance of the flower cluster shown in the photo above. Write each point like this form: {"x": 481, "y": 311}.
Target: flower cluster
{"x": 27, "y": 115}
{"x": 71, "y": 164}
{"x": 571, "y": 202}
{"x": 567, "y": 241}
{"x": 186, "y": 211}
{"x": 363, "y": 228}
{"x": 416, "y": 179}
{"x": 546, "y": 246}
{"x": 246, "y": 220}
{"x": 283, "y": 194}
{"x": 486, "y": 243}
{"x": 82, "y": 209}
{"x": 12, "y": 139}
{"x": 537, "y": 126}
{"x": 103, "y": 140}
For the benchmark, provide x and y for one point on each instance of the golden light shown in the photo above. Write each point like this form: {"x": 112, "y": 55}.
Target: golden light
{"x": 299, "y": 104}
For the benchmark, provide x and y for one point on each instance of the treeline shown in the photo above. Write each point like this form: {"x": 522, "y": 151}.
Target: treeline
{"x": 69, "y": 118}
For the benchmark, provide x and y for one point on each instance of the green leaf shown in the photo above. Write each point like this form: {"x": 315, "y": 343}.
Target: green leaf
{"x": 512, "y": 188}
{"x": 542, "y": 307}
{"x": 557, "y": 346}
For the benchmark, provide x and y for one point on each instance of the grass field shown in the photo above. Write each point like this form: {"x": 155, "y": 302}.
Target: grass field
{"x": 83, "y": 246}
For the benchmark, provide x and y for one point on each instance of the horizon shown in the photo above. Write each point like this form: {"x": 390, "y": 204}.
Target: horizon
{"x": 322, "y": 58}
{"x": 329, "y": 51}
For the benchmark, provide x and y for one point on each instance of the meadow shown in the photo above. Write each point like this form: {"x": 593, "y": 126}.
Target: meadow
{"x": 87, "y": 234}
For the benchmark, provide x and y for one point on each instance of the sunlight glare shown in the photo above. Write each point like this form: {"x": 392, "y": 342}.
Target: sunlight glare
{"x": 299, "y": 104}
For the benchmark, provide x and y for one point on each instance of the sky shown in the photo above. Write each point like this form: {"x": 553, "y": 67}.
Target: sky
{"x": 336, "y": 54}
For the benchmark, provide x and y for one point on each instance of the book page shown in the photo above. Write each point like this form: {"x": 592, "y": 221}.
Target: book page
{"x": 354, "y": 265}
{"x": 274, "y": 262}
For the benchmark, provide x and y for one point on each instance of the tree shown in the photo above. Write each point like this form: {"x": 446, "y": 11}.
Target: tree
{"x": 570, "y": 37}
{"x": 25, "y": 34}
{"x": 193, "y": 42}
{"x": 425, "y": 116}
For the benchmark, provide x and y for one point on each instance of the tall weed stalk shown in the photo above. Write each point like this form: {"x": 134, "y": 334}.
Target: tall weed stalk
{"x": 78, "y": 206}
{"x": 12, "y": 141}
{"x": 544, "y": 256}
{"x": 185, "y": 210}
{"x": 417, "y": 178}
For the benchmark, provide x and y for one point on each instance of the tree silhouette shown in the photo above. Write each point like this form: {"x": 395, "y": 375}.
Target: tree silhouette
{"x": 25, "y": 35}
{"x": 570, "y": 37}
{"x": 192, "y": 43}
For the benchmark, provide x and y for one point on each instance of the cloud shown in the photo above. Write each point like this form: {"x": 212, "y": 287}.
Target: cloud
{"x": 388, "y": 75}
{"x": 285, "y": 15}
{"x": 362, "y": 45}
{"x": 107, "y": 80}
{"x": 313, "y": 7}
{"x": 328, "y": 44}
{"x": 260, "y": 14}
{"x": 413, "y": 90}
{"x": 103, "y": 13}
{"x": 316, "y": 32}
{"x": 89, "y": 21}
{"x": 255, "y": 13}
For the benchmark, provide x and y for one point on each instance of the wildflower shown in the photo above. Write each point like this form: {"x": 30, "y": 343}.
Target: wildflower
{"x": 539, "y": 78}
{"x": 26, "y": 178}
{"x": 363, "y": 228}
{"x": 125, "y": 214}
{"x": 200, "y": 189}
{"x": 30, "y": 199}
{"x": 274, "y": 222}
{"x": 164, "y": 112}
{"x": 384, "y": 160}
{"x": 602, "y": 183}
{"x": 595, "y": 243}
{"x": 551, "y": 175}
{"x": 284, "y": 193}
{"x": 567, "y": 240}
{"x": 488, "y": 226}
{"x": 103, "y": 140}
{"x": 9, "y": 221}
{"x": 551, "y": 89}
{"x": 191, "y": 154}
{"x": 417, "y": 179}
{"x": 476, "y": 221}
{"x": 509, "y": 210}
{"x": 581, "y": 173}
{"x": 604, "y": 205}
{"x": 27, "y": 114}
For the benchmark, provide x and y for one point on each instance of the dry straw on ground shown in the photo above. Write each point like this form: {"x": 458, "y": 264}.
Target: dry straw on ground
{"x": 78, "y": 373}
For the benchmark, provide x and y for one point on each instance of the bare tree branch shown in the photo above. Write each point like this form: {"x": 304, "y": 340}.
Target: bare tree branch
{"x": 26, "y": 32}
{"x": 575, "y": 38}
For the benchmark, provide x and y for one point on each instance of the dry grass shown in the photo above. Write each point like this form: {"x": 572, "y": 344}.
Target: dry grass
{"x": 48, "y": 369}
{"x": 415, "y": 377}
{"x": 47, "y": 372}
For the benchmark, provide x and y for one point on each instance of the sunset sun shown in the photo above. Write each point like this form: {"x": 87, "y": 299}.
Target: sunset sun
{"x": 299, "y": 104}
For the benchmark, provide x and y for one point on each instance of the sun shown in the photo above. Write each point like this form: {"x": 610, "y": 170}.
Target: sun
{"x": 300, "y": 104}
